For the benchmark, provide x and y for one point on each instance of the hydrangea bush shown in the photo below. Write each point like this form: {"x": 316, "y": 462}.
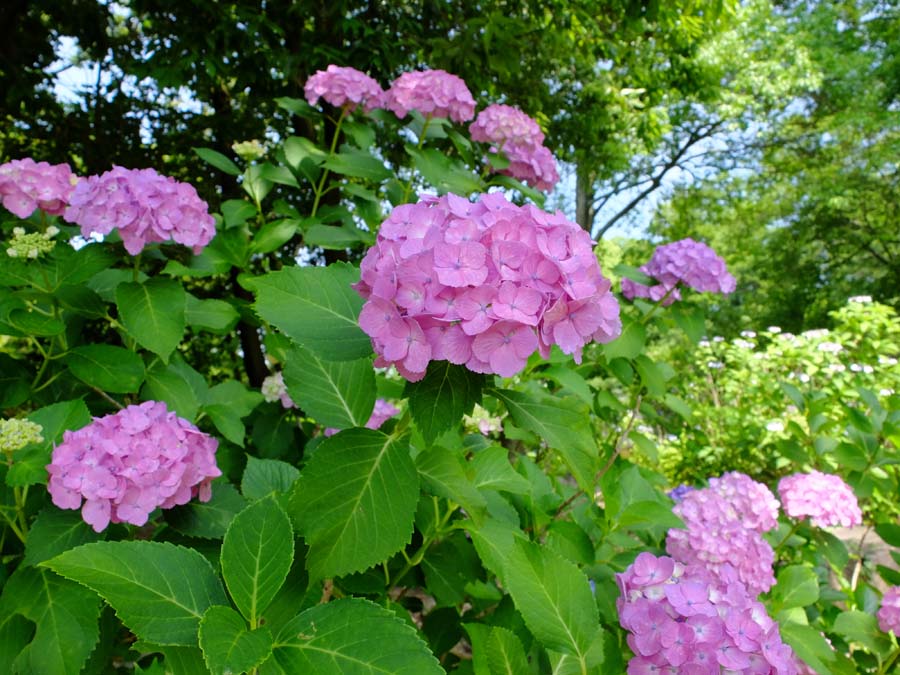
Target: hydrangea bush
{"x": 440, "y": 463}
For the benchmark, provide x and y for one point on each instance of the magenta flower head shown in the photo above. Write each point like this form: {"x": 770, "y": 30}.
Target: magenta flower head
{"x": 755, "y": 504}
{"x": 26, "y": 185}
{"x": 342, "y": 86}
{"x": 123, "y": 466}
{"x": 484, "y": 284}
{"x": 687, "y": 262}
{"x": 143, "y": 206}
{"x": 382, "y": 412}
{"x": 500, "y": 123}
{"x": 889, "y": 612}
{"x": 682, "y": 619}
{"x": 825, "y": 498}
{"x": 434, "y": 93}
{"x": 533, "y": 165}
{"x": 718, "y": 538}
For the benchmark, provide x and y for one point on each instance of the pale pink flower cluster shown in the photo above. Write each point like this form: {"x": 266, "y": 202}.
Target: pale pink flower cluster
{"x": 754, "y": 502}
{"x": 825, "y": 498}
{"x": 434, "y": 93}
{"x": 144, "y": 206}
{"x": 682, "y": 619}
{"x": 342, "y": 86}
{"x": 126, "y": 465}
{"x": 381, "y": 413}
{"x": 889, "y": 612}
{"x": 688, "y": 262}
{"x": 721, "y": 533}
{"x": 483, "y": 284}
{"x": 273, "y": 389}
{"x": 520, "y": 138}
{"x": 26, "y": 185}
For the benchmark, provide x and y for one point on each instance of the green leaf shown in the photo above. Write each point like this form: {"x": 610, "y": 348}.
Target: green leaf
{"x": 642, "y": 514}
{"x": 216, "y": 316}
{"x": 208, "y": 520}
{"x": 54, "y": 531}
{"x": 265, "y": 476}
{"x": 810, "y": 645}
{"x": 113, "y": 369}
{"x": 170, "y": 384}
{"x": 160, "y": 591}
{"x": 353, "y": 637}
{"x": 863, "y": 628}
{"x": 316, "y": 307}
{"x": 297, "y": 106}
{"x": 443, "y": 173}
{"x": 358, "y": 164}
{"x": 439, "y": 400}
{"x": 218, "y": 160}
{"x": 554, "y": 598}
{"x": 30, "y": 322}
{"x": 65, "y": 617}
{"x": 691, "y": 320}
{"x": 256, "y": 556}
{"x": 494, "y": 540}
{"x": 278, "y": 174}
{"x": 563, "y": 424}
{"x": 494, "y": 472}
{"x": 331, "y": 237}
{"x": 153, "y": 313}
{"x": 274, "y": 235}
{"x": 229, "y": 402}
{"x": 15, "y": 633}
{"x": 629, "y": 344}
{"x": 444, "y": 475}
{"x": 890, "y": 532}
{"x": 851, "y": 456}
{"x": 228, "y": 647}
{"x": 236, "y": 212}
{"x": 571, "y": 381}
{"x": 797, "y": 586}
{"x": 506, "y": 656}
{"x": 338, "y": 394}
{"x": 15, "y": 382}
{"x": 633, "y": 273}
{"x": 570, "y": 541}
{"x": 354, "y": 502}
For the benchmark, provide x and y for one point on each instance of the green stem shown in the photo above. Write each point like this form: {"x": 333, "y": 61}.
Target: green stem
{"x": 657, "y": 306}
{"x": 888, "y": 665}
{"x": 419, "y": 555}
{"x": 786, "y": 537}
{"x": 320, "y": 188}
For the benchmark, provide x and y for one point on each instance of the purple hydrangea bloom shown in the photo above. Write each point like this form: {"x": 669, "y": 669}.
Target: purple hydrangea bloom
{"x": 755, "y": 504}
{"x": 342, "y": 86}
{"x": 484, "y": 284}
{"x": 500, "y": 123}
{"x": 26, "y": 185}
{"x": 684, "y": 619}
{"x": 678, "y": 493}
{"x": 825, "y": 498}
{"x": 719, "y": 535}
{"x": 532, "y": 165}
{"x": 143, "y": 206}
{"x": 434, "y": 93}
{"x": 688, "y": 262}
{"x": 123, "y": 466}
{"x": 889, "y": 612}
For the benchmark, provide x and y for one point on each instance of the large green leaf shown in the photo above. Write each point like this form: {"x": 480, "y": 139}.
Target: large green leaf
{"x": 629, "y": 344}
{"x": 208, "y": 520}
{"x": 228, "y": 646}
{"x": 337, "y": 394}
{"x": 505, "y": 653}
{"x": 107, "y": 367}
{"x": 443, "y": 173}
{"x": 265, "y": 476}
{"x": 15, "y": 633}
{"x": 153, "y": 313}
{"x": 444, "y": 475}
{"x": 798, "y": 586}
{"x": 216, "y": 316}
{"x": 257, "y": 553}
{"x": 440, "y": 399}
{"x": 494, "y": 472}
{"x": 172, "y": 383}
{"x": 65, "y": 616}
{"x": 160, "y": 591}
{"x": 55, "y": 531}
{"x": 354, "y": 502}
{"x": 15, "y": 382}
{"x": 554, "y": 598}
{"x": 863, "y": 628}
{"x": 494, "y": 539}
{"x": 350, "y": 637}
{"x": 316, "y": 307}
{"x": 563, "y": 424}
{"x": 226, "y": 404}
{"x": 218, "y": 160}
{"x": 358, "y": 164}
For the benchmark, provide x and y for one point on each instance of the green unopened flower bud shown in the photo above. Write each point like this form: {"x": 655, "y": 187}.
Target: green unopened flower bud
{"x": 17, "y": 433}
{"x": 31, "y": 244}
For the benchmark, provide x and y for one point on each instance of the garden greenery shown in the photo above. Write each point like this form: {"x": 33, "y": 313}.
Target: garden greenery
{"x": 463, "y": 455}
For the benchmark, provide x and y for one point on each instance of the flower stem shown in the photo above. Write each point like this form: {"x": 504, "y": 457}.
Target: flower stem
{"x": 320, "y": 188}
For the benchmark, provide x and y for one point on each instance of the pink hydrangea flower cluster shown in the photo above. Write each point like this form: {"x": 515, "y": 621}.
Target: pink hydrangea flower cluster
{"x": 26, "y": 185}
{"x": 889, "y": 612}
{"x": 382, "y": 412}
{"x": 342, "y": 86}
{"x": 144, "y": 206}
{"x": 825, "y": 498}
{"x": 754, "y": 502}
{"x": 687, "y": 262}
{"x": 682, "y": 619}
{"x": 483, "y": 284}
{"x": 434, "y": 93}
{"x": 520, "y": 138}
{"x": 126, "y": 465}
{"x": 723, "y": 534}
